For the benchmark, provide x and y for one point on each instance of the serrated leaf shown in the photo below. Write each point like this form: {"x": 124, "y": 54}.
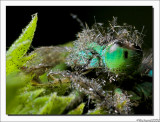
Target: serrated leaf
{"x": 55, "y": 105}
{"x": 14, "y": 56}
{"x": 29, "y": 96}
{"x": 27, "y": 34}
{"x": 20, "y": 103}
{"x": 15, "y": 81}
{"x": 15, "y": 59}
{"x": 78, "y": 110}
{"x": 34, "y": 106}
{"x": 97, "y": 111}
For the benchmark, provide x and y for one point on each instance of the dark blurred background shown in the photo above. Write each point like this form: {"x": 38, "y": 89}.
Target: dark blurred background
{"x": 56, "y": 25}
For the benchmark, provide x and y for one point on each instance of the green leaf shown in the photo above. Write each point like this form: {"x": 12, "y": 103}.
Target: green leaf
{"x": 56, "y": 104}
{"x": 14, "y": 56}
{"x": 98, "y": 111}
{"x": 34, "y": 106}
{"x": 30, "y": 103}
{"x": 15, "y": 81}
{"x": 29, "y": 96}
{"x": 19, "y": 104}
{"x": 78, "y": 110}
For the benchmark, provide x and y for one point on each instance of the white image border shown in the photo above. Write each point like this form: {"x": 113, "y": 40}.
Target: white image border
{"x": 156, "y": 33}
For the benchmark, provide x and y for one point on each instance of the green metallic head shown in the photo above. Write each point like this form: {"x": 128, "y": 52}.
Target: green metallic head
{"x": 122, "y": 57}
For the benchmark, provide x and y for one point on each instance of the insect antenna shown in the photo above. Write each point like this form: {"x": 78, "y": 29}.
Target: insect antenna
{"x": 74, "y": 16}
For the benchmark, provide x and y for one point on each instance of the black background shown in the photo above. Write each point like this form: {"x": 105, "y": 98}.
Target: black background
{"x": 56, "y": 26}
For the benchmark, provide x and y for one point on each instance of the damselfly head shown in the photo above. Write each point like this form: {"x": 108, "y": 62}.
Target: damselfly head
{"x": 122, "y": 57}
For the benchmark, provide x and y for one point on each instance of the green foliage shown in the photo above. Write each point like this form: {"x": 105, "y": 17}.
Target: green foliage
{"x": 78, "y": 110}
{"x": 22, "y": 96}
{"x": 33, "y": 103}
{"x": 56, "y": 104}
{"x": 96, "y": 111}
{"x": 15, "y": 58}
{"x": 15, "y": 54}
{"x": 15, "y": 81}
{"x": 20, "y": 103}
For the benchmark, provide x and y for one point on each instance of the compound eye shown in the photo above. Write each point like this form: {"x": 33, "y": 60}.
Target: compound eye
{"x": 125, "y": 54}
